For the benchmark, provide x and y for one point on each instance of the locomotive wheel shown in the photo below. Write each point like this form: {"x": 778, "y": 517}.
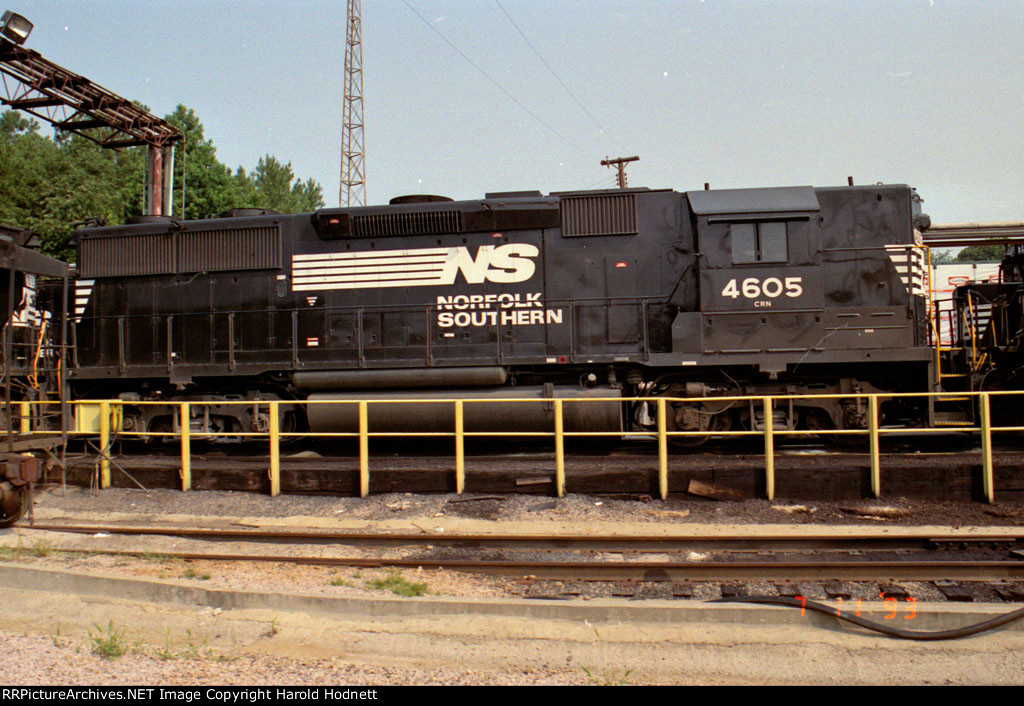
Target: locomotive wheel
{"x": 718, "y": 422}
{"x": 821, "y": 423}
{"x": 12, "y": 503}
{"x": 688, "y": 442}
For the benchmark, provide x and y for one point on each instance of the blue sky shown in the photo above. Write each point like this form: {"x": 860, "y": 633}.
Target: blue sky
{"x": 738, "y": 93}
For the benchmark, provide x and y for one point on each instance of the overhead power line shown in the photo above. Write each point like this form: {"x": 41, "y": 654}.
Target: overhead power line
{"x": 494, "y": 82}
{"x": 557, "y": 77}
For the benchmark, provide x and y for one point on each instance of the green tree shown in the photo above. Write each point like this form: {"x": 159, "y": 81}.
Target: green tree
{"x": 308, "y": 195}
{"x": 209, "y": 186}
{"x": 49, "y": 185}
{"x": 26, "y": 159}
{"x": 274, "y": 188}
{"x": 87, "y": 181}
{"x": 981, "y": 253}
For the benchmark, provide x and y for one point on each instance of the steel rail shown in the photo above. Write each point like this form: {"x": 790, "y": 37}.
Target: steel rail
{"x": 614, "y": 542}
{"x": 648, "y": 570}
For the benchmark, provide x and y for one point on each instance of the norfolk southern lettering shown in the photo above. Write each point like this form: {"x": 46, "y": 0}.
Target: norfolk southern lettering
{"x": 495, "y": 309}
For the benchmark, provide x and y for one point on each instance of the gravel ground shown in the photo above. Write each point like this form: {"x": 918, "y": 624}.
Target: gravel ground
{"x": 573, "y": 514}
{"x": 36, "y": 660}
{"x": 502, "y": 509}
{"x": 56, "y": 659}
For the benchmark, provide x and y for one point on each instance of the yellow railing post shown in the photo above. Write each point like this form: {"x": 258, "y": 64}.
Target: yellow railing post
{"x": 769, "y": 450}
{"x": 275, "y": 450}
{"x": 876, "y": 472}
{"x": 186, "y": 447}
{"x": 104, "y": 444}
{"x": 460, "y": 451}
{"x": 987, "y": 478}
{"x": 25, "y": 410}
{"x": 662, "y": 450}
{"x": 364, "y": 451}
{"x": 559, "y": 451}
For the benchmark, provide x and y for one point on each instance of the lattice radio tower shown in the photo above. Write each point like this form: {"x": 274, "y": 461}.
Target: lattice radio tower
{"x": 353, "y": 155}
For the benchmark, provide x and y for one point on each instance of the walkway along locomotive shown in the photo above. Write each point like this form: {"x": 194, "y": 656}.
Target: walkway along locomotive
{"x": 573, "y": 295}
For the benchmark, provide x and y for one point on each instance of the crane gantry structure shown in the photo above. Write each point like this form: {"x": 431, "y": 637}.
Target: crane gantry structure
{"x": 73, "y": 103}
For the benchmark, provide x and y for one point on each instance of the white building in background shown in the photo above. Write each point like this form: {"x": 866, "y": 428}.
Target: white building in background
{"x": 947, "y": 276}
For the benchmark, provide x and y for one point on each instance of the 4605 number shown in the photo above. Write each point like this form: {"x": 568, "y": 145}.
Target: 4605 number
{"x": 754, "y": 288}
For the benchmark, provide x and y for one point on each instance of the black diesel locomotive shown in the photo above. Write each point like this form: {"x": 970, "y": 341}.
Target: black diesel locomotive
{"x": 574, "y": 295}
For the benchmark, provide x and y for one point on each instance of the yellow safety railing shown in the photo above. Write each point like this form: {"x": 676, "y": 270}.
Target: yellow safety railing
{"x": 104, "y": 417}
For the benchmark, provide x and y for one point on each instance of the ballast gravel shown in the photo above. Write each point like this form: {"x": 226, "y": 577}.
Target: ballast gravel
{"x": 69, "y": 658}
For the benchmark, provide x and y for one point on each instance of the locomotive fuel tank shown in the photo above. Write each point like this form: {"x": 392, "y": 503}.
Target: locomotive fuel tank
{"x": 580, "y": 410}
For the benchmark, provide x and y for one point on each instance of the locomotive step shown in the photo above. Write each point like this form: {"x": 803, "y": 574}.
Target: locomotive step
{"x": 953, "y": 418}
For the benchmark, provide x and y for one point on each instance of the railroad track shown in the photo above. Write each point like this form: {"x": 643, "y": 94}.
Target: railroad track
{"x": 923, "y": 557}
{"x": 612, "y": 542}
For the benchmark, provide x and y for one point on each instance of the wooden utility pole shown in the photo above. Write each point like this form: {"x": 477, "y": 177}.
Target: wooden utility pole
{"x": 620, "y": 163}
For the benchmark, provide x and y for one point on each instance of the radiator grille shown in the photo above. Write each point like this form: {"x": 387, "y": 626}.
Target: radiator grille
{"x": 604, "y": 214}
{"x": 418, "y": 223}
{"x": 253, "y": 248}
{"x": 127, "y": 255}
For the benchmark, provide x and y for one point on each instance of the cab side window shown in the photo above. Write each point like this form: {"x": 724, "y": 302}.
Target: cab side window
{"x": 759, "y": 242}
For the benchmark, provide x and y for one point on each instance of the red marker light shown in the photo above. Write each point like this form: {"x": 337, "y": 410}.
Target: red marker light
{"x": 497, "y": 235}
{"x": 621, "y": 264}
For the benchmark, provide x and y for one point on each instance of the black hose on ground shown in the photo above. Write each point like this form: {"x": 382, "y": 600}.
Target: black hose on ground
{"x": 965, "y": 631}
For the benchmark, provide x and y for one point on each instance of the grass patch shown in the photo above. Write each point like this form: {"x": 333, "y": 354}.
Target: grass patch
{"x": 398, "y": 585}
{"x": 58, "y": 639}
{"x": 109, "y": 642}
{"x": 166, "y": 652}
{"x": 607, "y": 678}
{"x": 42, "y": 548}
{"x": 338, "y": 581}
{"x": 194, "y": 648}
{"x": 158, "y": 557}
{"x": 17, "y": 553}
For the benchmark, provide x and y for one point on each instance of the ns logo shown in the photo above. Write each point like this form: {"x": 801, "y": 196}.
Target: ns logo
{"x": 501, "y": 264}
{"x": 415, "y": 267}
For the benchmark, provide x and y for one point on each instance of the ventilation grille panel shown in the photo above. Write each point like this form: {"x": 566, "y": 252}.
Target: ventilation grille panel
{"x": 415, "y": 223}
{"x": 603, "y": 214}
{"x": 127, "y": 255}
{"x": 252, "y": 248}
